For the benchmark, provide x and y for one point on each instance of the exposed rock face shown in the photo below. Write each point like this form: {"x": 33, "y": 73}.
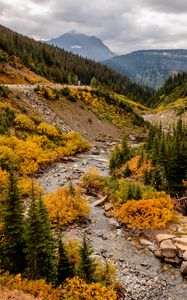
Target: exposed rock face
{"x": 163, "y": 237}
{"x": 168, "y": 249}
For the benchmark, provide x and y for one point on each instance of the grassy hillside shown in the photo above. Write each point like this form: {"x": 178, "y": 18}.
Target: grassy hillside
{"x": 61, "y": 66}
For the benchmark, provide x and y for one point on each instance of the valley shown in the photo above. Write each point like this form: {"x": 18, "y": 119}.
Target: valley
{"x": 91, "y": 167}
{"x": 142, "y": 275}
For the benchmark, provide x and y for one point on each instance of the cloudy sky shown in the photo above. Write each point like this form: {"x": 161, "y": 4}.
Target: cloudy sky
{"x": 124, "y": 25}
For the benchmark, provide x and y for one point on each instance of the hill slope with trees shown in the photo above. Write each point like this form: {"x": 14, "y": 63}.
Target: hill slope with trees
{"x": 60, "y": 66}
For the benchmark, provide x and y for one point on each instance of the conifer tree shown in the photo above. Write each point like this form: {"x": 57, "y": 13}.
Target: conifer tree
{"x": 87, "y": 265}
{"x": 40, "y": 243}
{"x": 13, "y": 243}
{"x": 64, "y": 266}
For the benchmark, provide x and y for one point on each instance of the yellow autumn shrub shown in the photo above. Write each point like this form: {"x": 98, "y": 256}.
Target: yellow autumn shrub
{"x": 47, "y": 129}
{"x": 26, "y": 185}
{"x": 65, "y": 207}
{"x": 92, "y": 179}
{"x": 72, "y": 289}
{"x": 3, "y": 177}
{"x": 146, "y": 214}
{"x": 23, "y": 122}
{"x": 77, "y": 289}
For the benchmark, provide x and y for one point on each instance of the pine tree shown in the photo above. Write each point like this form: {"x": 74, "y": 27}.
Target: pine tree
{"x": 13, "y": 243}
{"x": 64, "y": 266}
{"x": 40, "y": 243}
{"x": 87, "y": 265}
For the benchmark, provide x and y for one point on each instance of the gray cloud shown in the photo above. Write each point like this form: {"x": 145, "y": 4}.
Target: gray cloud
{"x": 168, "y": 6}
{"x": 123, "y": 25}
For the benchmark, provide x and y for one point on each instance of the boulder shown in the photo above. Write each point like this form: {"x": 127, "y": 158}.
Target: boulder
{"x": 144, "y": 242}
{"x": 108, "y": 206}
{"x": 152, "y": 248}
{"x": 184, "y": 268}
{"x": 114, "y": 223}
{"x": 174, "y": 260}
{"x": 162, "y": 237}
{"x": 185, "y": 255}
{"x": 168, "y": 249}
{"x": 181, "y": 249}
{"x": 157, "y": 253}
{"x": 181, "y": 240}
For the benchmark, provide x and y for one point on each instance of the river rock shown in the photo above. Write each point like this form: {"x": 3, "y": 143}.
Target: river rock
{"x": 144, "y": 242}
{"x": 114, "y": 223}
{"x": 181, "y": 249}
{"x": 168, "y": 249}
{"x": 162, "y": 237}
{"x": 181, "y": 240}
{"x": 174, "y": 260}
{"x": 184, "y": 268}
{"x": 157, "y": 253}
{"x": 185, "y": 255}
{"x": 95, "y": 152}
{"x": 108, "y": 206}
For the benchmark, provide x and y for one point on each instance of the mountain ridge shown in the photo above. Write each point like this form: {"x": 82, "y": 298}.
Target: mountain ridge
{"x": 150, "y": 67}
{"x": 86, "y": 46}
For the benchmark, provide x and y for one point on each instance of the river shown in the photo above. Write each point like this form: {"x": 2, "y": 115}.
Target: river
{"x": 142, "y": 275}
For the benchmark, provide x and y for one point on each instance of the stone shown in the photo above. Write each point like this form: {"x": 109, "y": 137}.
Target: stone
{"x": 108, "y": 206}
{"x": 184, "y": 268}
{"x": 114, "y": 223}
{"x": 181, "y": 249}
{"x": 185, "y": 255}
{"x": 157, "y": 253}
{"x": 181, "y": 240}
{"x": 175, "y": 260}
{"x": 119, "y": 232}
{"x": 144, "y": 242}
{"x": 152, "y": 248}
{"x": 162, "y": 237}
{"x": 168, "y": 249}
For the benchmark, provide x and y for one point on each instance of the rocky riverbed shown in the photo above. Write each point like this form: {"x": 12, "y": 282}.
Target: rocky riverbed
{"x": 142, "y": 275}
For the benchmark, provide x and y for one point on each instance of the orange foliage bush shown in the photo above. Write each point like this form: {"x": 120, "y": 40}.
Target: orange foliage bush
{"x": 77, "y": 289}
{"x": 72, "y": 289}
{"x": 139, "y": 170}
{"x": 26, "y": 185}
{"x": 145, "y": 214}
{"x": 65, "y": 207}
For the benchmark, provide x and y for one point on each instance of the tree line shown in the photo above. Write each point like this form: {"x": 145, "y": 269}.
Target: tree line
{"x": 58, "y": 65}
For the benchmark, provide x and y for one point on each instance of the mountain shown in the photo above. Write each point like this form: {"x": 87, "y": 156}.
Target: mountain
{"x": 61, "y": 66}
{"x": 150, "y": 67}
{"x": 86, "y": 46}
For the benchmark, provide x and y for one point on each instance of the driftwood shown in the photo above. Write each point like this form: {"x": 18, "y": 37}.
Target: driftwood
{"x": 100, "y": 201}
